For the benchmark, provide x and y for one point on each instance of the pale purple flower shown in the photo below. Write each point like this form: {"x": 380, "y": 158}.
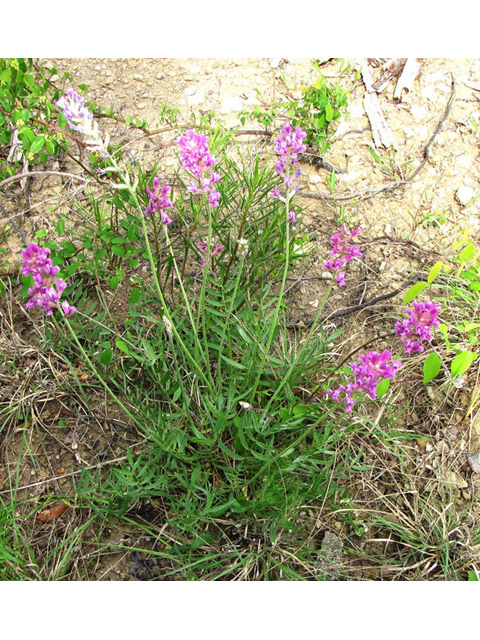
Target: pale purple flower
{"x": 288, "y": 144}
{"x": 47, "y": 288}
{"x": 73, "y": 106}
{"x": 368, "y": 371}
{"x": 158, "y": 201}
{"x": 343, "y": 251}
{"x": 81, "y": 119}
{"x": 416, "y": 327}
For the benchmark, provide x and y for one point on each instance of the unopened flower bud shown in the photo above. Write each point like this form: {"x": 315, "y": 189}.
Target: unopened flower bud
{"x": 242, "y": 247}
{"x": 168, "y": 325}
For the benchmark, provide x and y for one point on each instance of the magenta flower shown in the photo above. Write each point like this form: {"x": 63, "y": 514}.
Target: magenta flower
{"x": 421, "y": 317}
{"x": 369, "y": 371}
{"x": 215, "y": 250}
{"x": 198, "y": 161}
{"x": 47, "y": 288}
{"x": 343, "y": 251}
{"x": 158, "y": 201}
{"x": 81, "y": 119}
{"x": 288, "y": 144}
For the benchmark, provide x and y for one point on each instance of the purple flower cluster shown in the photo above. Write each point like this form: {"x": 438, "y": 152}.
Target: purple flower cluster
{"x": 343, "y": 251}
{"x": 369, "y": 371}
{"x": 215, "y": 250}
{"x": 158, "y": 201}
{"x": 421, "y": 317}
{"x": 80, "y": 119}
{"x": 47, "y": 288}
{"x": 288, "y": 144}
{"x": 197, "y": 160}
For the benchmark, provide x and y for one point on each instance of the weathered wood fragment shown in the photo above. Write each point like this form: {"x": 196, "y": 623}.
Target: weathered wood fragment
{"x": 406, "y": 80}
{"x": 390, "y": 69}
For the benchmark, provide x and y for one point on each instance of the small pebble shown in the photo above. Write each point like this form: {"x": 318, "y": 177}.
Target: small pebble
{"x": 464, "y": 194}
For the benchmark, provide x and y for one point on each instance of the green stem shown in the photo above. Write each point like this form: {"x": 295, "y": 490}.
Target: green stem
{"x": 166, "y": 311}
{"x": 99, "y": 377}
{"x": 303, "y": 347}
{"x": 279, "y": 302}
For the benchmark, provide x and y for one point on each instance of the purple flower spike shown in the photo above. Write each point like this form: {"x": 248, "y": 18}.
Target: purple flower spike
{"x": 369, "y": 371}
{"x": 343, "y": 251}
{"x": 47, "y": 288}
{"x": 198, "y": 161}
{"x": 288, "y": 144}
{"x": 421, "y": 318}
{"x": 158, "y": 201}
{"x": 81, "y": 119}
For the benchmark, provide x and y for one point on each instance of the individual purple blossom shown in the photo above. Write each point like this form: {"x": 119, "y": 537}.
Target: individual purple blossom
{"x": 198, "y": 161}
{"x": 343, "y": 251}
{"x": 215, "y": 249}
{"x": 368, "y": 371}
{"x": 67, "y": 308}
{"x": 416, "y": 327}
{"x": 79, "y": 118}
{"x": 47, "y": 288}
{"x": 158, "y": 201}
{"x": 288, "y": 144}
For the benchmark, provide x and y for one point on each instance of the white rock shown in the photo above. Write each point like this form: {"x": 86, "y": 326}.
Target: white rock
{"x": 356, "y": 111}
{"x": 197, "y": 99}
{"x": 464, "y": 194}
{"x": 418, "y": 112}
{"x": 430, "y": 93}
{"x": 231, "y": 104}
{"x": 189, "y": 91}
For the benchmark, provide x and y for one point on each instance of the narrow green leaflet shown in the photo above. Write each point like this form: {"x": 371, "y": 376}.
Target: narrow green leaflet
{"x": 383, "y": 387}
{"x": 414, "y": 291}
{"x": 461, "y": 362}
{"x": 431, "y": 367}
{"x": 434, "y": 271}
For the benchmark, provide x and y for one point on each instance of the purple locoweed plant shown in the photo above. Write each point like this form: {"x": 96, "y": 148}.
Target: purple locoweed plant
{"x": 80, "y": 119}
{"x": 343, "y": 251}
{"x": 368, "y": 372}
{"x": 197, "y": 159}
{"x": 47, "y": 288}
{"x": 416, "y": 327}
{"x": 158, "y": 201}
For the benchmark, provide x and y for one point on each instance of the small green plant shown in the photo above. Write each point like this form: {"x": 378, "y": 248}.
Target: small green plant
{"x": 319, "y": 107}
